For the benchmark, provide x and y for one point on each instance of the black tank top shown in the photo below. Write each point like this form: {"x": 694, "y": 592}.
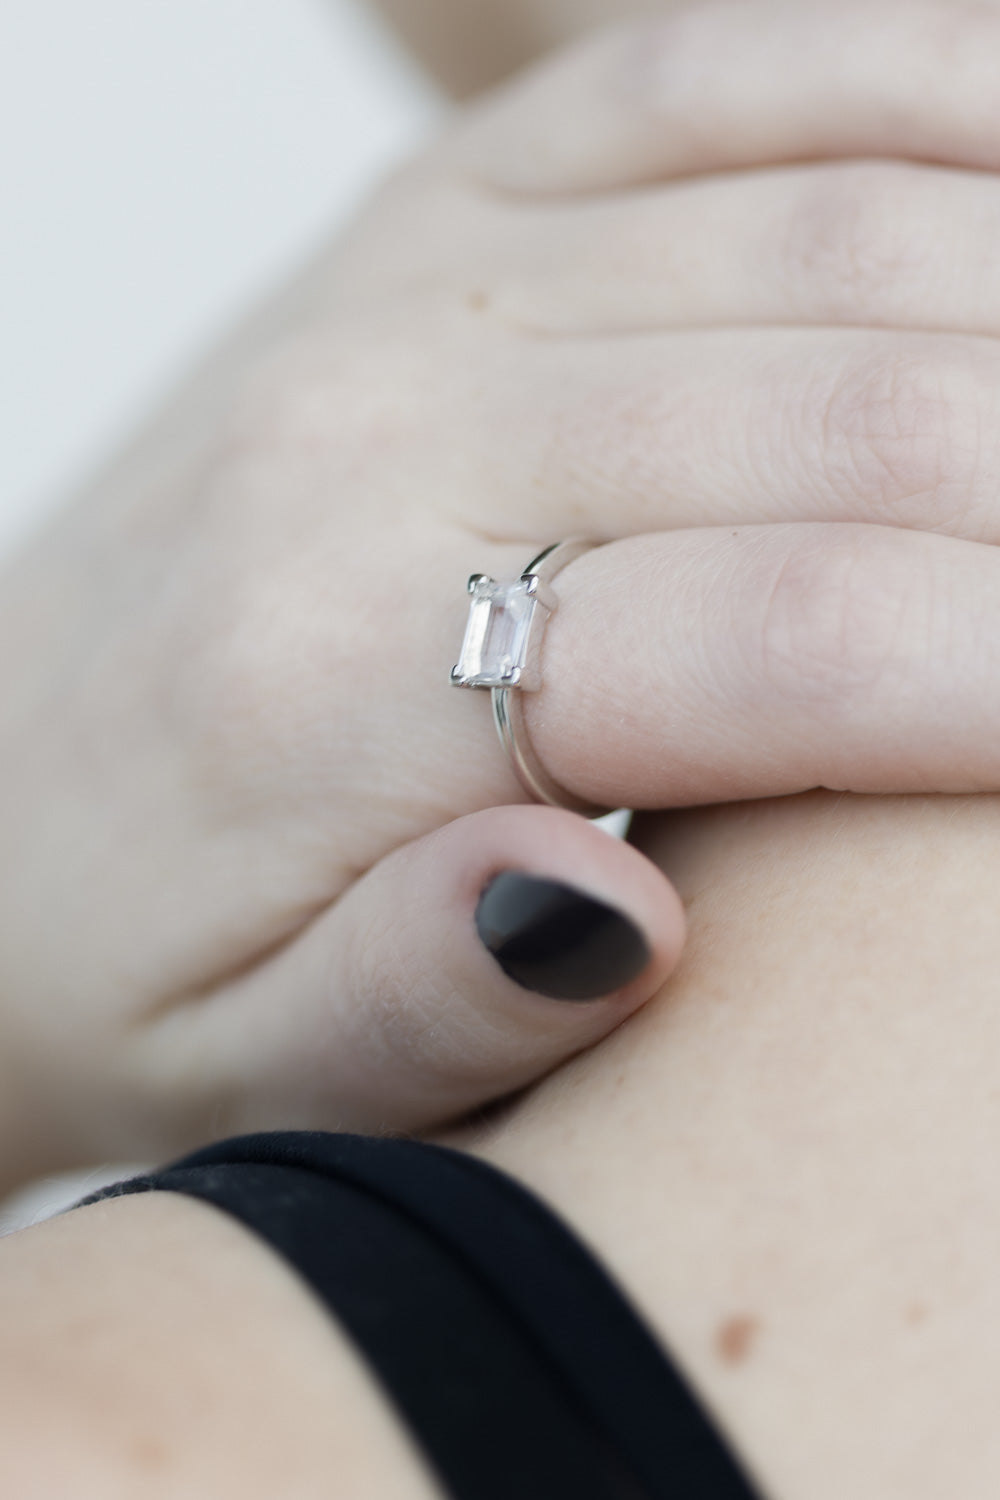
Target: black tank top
{"x": 518, "y": 1365}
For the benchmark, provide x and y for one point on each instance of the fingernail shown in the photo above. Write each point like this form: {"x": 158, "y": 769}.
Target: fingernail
{"x": 557, "y": 941}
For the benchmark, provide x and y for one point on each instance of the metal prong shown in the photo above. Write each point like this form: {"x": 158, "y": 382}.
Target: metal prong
{"x": 512, "y": 677}
{"x": 535, "y": 588}
{"x": 476, "y": 580}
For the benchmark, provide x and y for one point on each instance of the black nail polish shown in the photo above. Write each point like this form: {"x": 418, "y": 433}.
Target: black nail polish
{"x": 557, "y": 941}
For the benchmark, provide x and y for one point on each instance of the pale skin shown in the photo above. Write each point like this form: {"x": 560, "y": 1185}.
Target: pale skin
{"x": 792, "y": 1231}
{"x": 788, "y": 1157}
{"x": 651, "y": 295}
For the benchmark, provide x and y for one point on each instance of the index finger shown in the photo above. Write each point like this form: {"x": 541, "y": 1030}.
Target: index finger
{"x": 735, "y": 83}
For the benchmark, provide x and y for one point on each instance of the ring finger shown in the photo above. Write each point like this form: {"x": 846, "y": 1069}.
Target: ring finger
{"x": 714, "y": 665}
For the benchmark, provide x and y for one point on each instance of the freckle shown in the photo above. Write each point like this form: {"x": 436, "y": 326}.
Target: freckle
{"x": 149, "y": 1453}
{"x": 916, "y": 1314}
{"x": 735, "y": 1338}
{"x": 478, "y": 301}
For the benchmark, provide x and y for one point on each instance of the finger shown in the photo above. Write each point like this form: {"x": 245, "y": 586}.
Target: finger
{"x": 717, "y": 665}
{"x": 463, "y": 966}
{"x": 617, "y": 436}
{"x": 730, "y": 84}
{"x": 877, "y": 244}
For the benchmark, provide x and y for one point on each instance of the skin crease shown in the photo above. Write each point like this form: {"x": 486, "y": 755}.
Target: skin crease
{"x": 222, "y": 779}
{"x": 214, "y": 753}
{"x": 788, "y": 1159}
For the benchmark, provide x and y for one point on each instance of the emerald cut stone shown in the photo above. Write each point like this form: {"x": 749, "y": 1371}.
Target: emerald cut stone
{"x": 496, "y": 636}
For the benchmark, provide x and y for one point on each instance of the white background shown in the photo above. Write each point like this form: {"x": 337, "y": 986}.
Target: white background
{"x": 161, "y": 163}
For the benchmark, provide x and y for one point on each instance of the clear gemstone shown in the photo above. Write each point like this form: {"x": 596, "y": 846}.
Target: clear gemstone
{"x": 496, "y": 637}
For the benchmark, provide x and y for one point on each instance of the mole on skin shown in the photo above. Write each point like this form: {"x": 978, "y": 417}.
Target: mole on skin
{"x": 735, "y": 1339}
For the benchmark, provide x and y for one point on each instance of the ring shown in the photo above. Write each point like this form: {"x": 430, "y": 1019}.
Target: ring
{"x": 502, "y": 651}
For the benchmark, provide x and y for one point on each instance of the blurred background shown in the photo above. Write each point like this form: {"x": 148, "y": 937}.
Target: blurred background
{"x": 160, "y": 166}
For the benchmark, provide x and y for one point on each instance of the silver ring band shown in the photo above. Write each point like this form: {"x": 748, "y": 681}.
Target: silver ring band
{"x": 502, "y": 651}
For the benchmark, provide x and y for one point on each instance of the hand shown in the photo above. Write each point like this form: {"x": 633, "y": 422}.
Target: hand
{"x": 227, "y": 725}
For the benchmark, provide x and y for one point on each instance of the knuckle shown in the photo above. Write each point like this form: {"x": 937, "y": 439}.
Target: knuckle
{"x": 838, "y": 615}
{"x": 257, "y": 621}
{"x": 854, "y": 246}
{"x": 426, "y": 1031}
{"x": 307, "y": 403}
{"x": 953, "y": 31}
{"x": 910, "y": 435}
{"x": 672, "y": 54}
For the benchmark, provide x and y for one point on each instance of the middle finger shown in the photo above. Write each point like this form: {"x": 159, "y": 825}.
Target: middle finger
{"x": 881, "y": 243}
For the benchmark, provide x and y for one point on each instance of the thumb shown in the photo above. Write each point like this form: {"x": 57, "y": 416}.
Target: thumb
{"x": 462, "y": 967}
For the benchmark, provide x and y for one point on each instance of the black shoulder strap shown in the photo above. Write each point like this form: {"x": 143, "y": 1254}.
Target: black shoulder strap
{"x": 518, "y": 1364}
